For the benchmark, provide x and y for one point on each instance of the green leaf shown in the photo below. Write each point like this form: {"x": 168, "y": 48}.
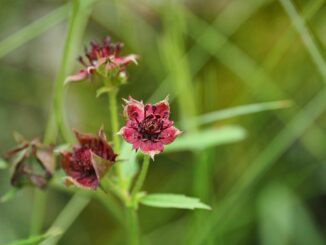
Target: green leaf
{"x": 207, "y": 138}
{"x": 238, "y": 111}
{"x": 173, "y": 201}
{"x": 3, "y": 164}
{"x": 33, "y": 30}
{"x": 8, "y": 195}
{"x": 36, "y": 239}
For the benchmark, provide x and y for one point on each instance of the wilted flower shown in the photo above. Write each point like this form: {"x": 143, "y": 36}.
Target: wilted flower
{"x": 89, "y": 161}
{"x": 32, "y": 162}
{"x": 104, "y": 55}
{"x": 148, "y": 127}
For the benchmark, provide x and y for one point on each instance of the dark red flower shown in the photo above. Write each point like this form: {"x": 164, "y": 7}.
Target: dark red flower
{"x": 32, "y": 162}
{"x": 106, "y": 55}
{"x": 148, "y": 127}
{"x": 89, "y": 161}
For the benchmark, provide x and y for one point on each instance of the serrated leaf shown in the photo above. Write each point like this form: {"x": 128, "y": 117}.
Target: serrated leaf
{"x": 173, "y": 201}
{"x": 8, "y": 195}
{"x": 36, "y": 239}
{"x": 3, "y": 164}
{"x": 207, "y": 138}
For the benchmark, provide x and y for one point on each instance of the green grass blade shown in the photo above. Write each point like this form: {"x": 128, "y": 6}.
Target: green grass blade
{"x": 239, "y": 111}
{"x": 33, "y": 30}
{"x": 283, "y": 219}
{"x": 200, "y": 140}
{"x": 263, "y": 163}
{"x": 306, "y": 36}
{"x": 247, "y": 69}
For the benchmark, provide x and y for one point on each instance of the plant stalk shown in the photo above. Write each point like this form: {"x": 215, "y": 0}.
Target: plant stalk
{"x": 133, "y": 228}
{"x": 142, "y": 175}
{"x": 77, "y": 23}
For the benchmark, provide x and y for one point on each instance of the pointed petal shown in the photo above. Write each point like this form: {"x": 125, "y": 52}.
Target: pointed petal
{"x": 100, "y": 165}
{"x": 168, "y": 135}
{"x": 162, "y": 108}
{"x": 66, "y": 160}
{"x": 81, "y": 75}
{"x": 84, "y": 183}
{"x": 151, "y": 148}
{"x": 46, "y": 158}
{"x": 134, "y": 109}
{"x": 132, "y": 58}
{"x": 130, "y": 135}
{"x": 84, "y": 139}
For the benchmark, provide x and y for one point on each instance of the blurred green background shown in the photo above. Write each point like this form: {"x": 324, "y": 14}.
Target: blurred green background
{"x": 269, "y": 188}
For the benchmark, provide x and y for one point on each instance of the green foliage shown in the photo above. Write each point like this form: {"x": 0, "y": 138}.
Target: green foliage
{"x": 3, "y": 164}
{"x": 173, "y": 201}
{"x": 36, "y": 239}
{"x": 207, "y": 138}
{"x": 8, "y": 195}
{"x": 239, "y": 111}
{"x": 252, "y": 51}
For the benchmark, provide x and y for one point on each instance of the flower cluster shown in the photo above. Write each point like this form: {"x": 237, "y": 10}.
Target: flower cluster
{"x": 103, "y": 57}
{"x": 89, "y": 160}
{"x": 148, "y": 127}
{"x": 32, "y": 163}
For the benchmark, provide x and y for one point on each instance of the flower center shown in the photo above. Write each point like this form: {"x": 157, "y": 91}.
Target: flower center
{"x": 100, "y": 50}
{"x": 151, "y": 127}
{"x": 82, "y": 163}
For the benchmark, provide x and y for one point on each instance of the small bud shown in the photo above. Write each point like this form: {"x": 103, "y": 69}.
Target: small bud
{"x": 105, "y": 55}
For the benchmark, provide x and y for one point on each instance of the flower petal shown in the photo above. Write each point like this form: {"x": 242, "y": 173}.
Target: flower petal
{"x": 168, "y": 135}
{"x": 134, "y": 109}
{"x": 81, "y": 75}
{"x": 86, "y": 140}
{"x": 100, "y": 165}
{"x": 162, "y": 108}
{"x": 84, "y": 183}
{"x": 66, "y": 160}
{"x": 151, "y": 148}
{"x": 130, "y": 135}
{"x": 132, "y": 58}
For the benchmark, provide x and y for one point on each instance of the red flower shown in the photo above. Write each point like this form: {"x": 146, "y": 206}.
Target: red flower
{"x": 106, "y": 54}
{"x": 89, "y": 161}
{"x": 148, "y": 127}
{"x": 33, "y": 163}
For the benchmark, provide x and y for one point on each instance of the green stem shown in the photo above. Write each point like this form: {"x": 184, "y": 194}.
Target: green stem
{"x": 80, "y": 11}
{"x": 111, "y": 204}
{"x": 39, "y": 207}
{"x": 112, "y": 96}
{"x": 114, "y": 118}
{"x": 142, "y": 176}
{"x": 134, "y": 233}
{"x": 133, "y": 228}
